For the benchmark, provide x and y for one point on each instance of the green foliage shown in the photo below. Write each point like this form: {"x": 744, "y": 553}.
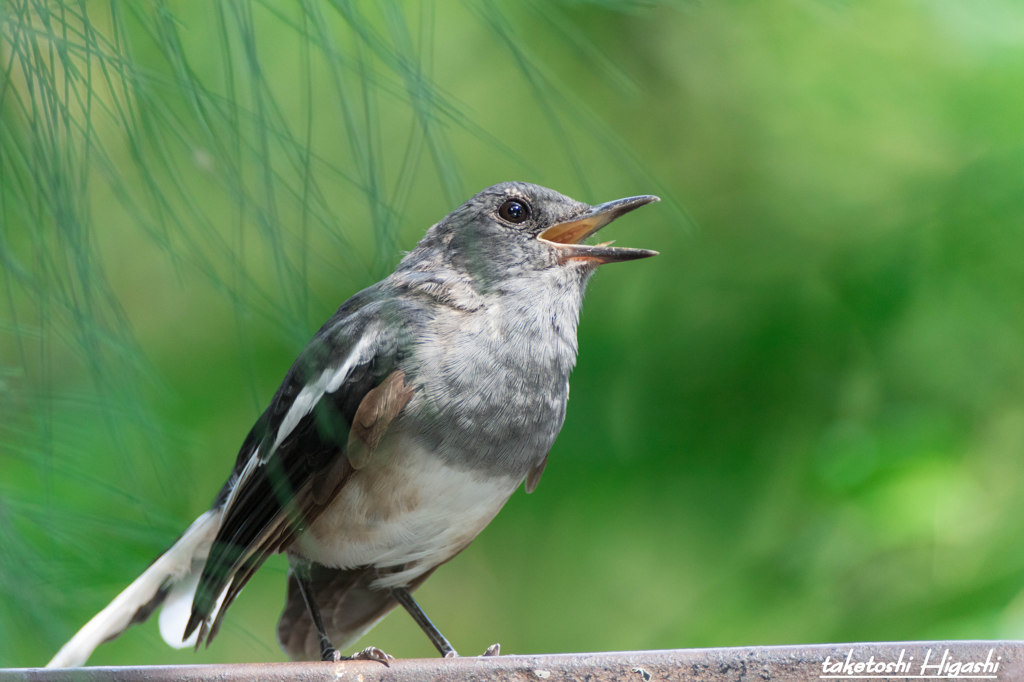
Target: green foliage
{"x": 803, "y": 422}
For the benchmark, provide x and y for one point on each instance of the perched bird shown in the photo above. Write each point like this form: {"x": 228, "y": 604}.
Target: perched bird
{"x": 396, "y": 436}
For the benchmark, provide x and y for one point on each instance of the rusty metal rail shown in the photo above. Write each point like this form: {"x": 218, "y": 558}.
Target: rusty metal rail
{"x": 976, "y": 660}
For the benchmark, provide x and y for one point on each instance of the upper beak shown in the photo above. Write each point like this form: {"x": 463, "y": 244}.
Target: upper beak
{"x": 566, "y": 237}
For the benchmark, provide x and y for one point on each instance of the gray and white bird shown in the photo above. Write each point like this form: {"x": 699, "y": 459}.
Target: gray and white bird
{"x": 396, "y": 436}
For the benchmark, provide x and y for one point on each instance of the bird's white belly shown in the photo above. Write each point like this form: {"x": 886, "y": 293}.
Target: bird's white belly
{"x": 405, "y": 507}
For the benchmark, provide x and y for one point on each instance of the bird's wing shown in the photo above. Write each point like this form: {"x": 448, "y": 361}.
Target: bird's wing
{"x": 533, "y": 476}
{"x": 324, "y": 422}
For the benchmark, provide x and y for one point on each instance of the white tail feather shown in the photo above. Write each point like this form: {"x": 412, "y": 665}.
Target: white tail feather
{"x": 176, "y": 609}
{"x": 180, "y": 561}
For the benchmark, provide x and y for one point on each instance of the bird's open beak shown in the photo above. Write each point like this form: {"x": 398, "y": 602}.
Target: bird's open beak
{"x": 567, "y": 237}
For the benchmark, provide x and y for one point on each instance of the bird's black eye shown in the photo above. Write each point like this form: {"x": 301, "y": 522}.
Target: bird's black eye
{"x": 514, "y": 211}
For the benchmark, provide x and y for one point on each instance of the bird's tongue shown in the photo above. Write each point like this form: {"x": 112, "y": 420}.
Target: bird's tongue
{"x": 573, "y": 232}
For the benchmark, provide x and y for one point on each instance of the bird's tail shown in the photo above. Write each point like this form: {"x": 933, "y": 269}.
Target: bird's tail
{"x": 170, "y": 580}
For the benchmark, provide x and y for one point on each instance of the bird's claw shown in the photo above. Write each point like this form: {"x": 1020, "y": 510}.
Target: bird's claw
{"x": 492, "y": 650}
{"x": 372, "y": 653}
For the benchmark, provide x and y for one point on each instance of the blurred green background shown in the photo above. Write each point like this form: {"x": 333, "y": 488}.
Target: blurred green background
{"x": 803, "y": 422}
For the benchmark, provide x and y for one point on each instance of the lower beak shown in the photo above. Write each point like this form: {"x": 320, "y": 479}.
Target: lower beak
{"x": 567, "y": 237}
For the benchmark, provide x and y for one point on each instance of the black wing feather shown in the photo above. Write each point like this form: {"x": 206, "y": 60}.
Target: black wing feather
{"x": 275, "y": 501}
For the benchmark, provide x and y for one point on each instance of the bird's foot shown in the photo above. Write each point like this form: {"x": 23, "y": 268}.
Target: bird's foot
{"x": 372, "y": 653}
{"x": 492, "y": 650}
{"x": 330, "y": 655}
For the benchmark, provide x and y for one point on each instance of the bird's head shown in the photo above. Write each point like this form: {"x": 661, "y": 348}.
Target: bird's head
{"x": 516, "y": 229}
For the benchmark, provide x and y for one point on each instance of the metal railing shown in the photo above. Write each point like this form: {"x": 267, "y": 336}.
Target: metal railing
{"x": 976, "y": 660}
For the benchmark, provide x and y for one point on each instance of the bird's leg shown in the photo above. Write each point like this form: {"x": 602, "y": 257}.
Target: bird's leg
{"x": 436, "y": 638}
{"x": 327, "y": 650}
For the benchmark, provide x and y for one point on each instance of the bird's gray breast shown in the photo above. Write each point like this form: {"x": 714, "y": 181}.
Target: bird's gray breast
{"x": 493, "y": 382}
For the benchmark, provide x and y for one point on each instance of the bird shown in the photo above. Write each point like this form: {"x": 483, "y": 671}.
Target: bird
{"x": 399, "y": 432}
